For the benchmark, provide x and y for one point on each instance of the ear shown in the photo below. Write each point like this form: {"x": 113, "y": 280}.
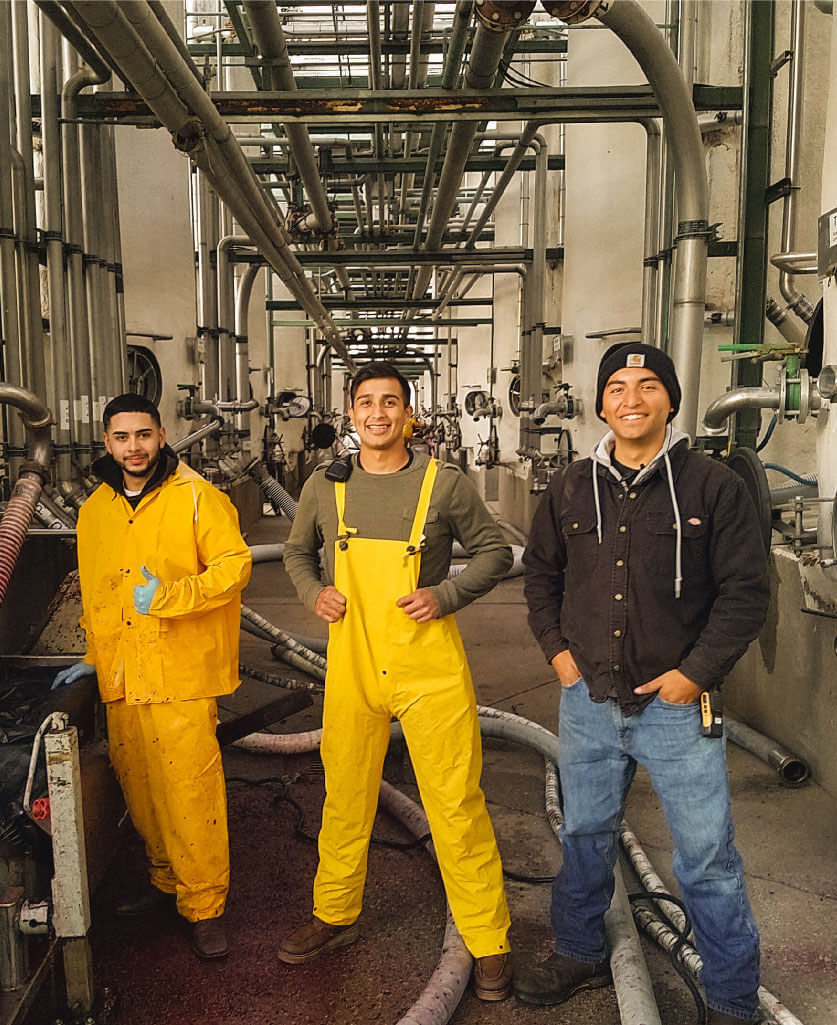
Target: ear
{"x": 162, "y": 436}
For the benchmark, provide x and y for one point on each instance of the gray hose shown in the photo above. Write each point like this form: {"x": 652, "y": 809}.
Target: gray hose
{"x": 278, "y": 497}
{"x": 294, "y": 653}
{"x": 267, "y": 553}
{"x": 792, "y": 770}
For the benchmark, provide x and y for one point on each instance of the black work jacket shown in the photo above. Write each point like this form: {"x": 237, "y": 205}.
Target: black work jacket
{"x": 613, "y": 605}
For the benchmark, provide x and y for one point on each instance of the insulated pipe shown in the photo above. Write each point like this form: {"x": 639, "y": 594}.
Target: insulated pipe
{"x": 631, "y": 980}
{"x": 423, "y": 13}
{"x": 648, "y": 46}
{"x": 227, "y": 376}
{"x": 268, "y": 553}
{"x": 242, "y": 346}
{"x": 792, "y": 770}
{"x": 733, "y": 401}
{"x": 272, "y": 44}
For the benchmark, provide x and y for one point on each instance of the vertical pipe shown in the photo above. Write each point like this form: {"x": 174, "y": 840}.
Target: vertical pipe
{"x": 651, "y": 237}
{"x": 207, "y": 307}
{"x": 54, "y": 235}
{"x": 8, "y": 257}
{"x": 117, "y": 293}
{"x": 34, "y": 366}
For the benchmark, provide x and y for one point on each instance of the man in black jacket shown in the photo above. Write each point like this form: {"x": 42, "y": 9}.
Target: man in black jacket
{"x": 646, "y": 580}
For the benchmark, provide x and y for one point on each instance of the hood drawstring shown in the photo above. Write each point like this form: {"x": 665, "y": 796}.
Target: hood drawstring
{"x": 678, "y": 538}
{"x": 597, "y": 504}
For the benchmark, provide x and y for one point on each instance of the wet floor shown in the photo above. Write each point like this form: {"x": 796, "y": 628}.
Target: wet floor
{"x": 787, "y": 839}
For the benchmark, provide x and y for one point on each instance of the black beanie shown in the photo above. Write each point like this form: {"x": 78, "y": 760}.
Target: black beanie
{"x": 636, "y": 354}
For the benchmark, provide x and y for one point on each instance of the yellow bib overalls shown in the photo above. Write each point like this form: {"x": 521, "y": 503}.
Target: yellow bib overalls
{"x": 382, "y": 664}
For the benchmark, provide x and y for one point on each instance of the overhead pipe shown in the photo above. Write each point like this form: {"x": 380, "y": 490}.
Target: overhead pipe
{"x": 270, "y": 40}
{"x": 37, "y": 420}
{"x": 373, "y": 27}
{"x": 486, "y": 53}
{"x": 203, "y": 134}
{"x": 64, "y": 21}
{"x": 423, "y": 13}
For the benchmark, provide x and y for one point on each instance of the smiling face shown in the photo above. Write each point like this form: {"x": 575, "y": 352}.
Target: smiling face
{"x": 636, "y": 407}
{"x": 134, "y": 441}
{"x": 379, "y": 414}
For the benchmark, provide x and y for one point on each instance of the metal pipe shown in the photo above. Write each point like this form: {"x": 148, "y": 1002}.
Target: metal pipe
{"x": 634, "y": 992}
{"x": 34, "y": 367}
{"x": 204, "y": 431}
{"x": 54, "y": 236}
{"x": 242, "y": 346}
{"x": 796, "y": 300}
{"x": 733, "y": 401}
{"x": 272, "y": 44}
{"x": 653, "y": 163}
{"x": 795, "y": 263}
{"x": 639, "y": 33}
{"x": 62, "y": 20}
{"x": 792, "y": 769}
{"x": 204, "y": 135}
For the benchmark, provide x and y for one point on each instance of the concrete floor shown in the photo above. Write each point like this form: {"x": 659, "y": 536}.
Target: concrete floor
{"x": 786, "y": 836}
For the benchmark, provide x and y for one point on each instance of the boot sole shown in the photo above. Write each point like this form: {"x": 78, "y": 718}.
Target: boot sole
{"x": 547, "y": 1001}
{"x": 492, "y": 994}
{"x": 342, "y": 939}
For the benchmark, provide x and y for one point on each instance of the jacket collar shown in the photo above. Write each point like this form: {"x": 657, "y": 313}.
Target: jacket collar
{"x": 675, "y": 444}
{"x": 109, "y": 473}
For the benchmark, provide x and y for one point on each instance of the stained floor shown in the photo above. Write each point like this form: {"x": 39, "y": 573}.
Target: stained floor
{"x": 787, "y": 839}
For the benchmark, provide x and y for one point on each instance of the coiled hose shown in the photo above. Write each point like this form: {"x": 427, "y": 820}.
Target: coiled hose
{"x": 15, "y": 524}
{"x": 274, "y": 492}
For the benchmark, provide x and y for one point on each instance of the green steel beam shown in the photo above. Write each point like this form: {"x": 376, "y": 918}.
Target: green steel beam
{"x": 354, "y": 107}
{"x": 400, "y": 165}
{"x": 751, "y": 285}
{"x": 360, "y": 47}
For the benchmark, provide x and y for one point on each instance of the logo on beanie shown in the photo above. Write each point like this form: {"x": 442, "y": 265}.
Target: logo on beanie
{"x": 635, "y": 359}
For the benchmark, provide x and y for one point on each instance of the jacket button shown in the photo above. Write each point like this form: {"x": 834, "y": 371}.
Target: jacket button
{"x": 617, "y": 633}
{"x": 130, "y": 521}
{"x": 632, "y": 495}
{"x": 575, "y": 526}
{"x": 620, "y": 562}
{"x": 618, "y": 597}
{"x": 127, "y": 622}
{"x": 616, "y": 667}
{"x": 622, "y": 529}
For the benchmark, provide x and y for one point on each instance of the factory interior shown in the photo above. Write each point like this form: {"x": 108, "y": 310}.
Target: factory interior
{"x": 228, "y": 207}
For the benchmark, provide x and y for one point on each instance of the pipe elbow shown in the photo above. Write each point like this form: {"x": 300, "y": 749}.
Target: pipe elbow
{"x": 719, "y": 411}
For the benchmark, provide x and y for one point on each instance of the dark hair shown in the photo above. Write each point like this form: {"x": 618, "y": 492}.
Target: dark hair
{"x": 377, "y": 369}
{"x": 129, "y": 403}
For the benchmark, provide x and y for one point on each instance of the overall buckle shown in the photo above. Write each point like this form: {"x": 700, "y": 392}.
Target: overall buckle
{"x": 417, "y": 549}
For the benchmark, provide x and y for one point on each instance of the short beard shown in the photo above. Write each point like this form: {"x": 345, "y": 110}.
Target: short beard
{"x": 147, "y": 473}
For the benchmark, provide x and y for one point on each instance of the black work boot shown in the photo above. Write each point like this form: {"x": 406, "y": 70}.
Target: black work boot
{"x": 209, "y": 939}
{"x": 314, "y": 939}
{"x": 141, "y": 901}
{"x": 558, "y": 978}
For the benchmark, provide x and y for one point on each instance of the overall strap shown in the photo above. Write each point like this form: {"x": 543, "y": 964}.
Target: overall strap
{"x": 340, "y": 501}
{"x": 417, "y": 530}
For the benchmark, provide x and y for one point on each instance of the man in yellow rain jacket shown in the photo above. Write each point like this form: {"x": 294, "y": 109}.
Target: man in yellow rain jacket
{"x": 394, "y": 650}
{"x": 161, "y": 566}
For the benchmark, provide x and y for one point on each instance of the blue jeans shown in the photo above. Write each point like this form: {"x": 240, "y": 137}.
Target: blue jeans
{"x": 599, "y": 751}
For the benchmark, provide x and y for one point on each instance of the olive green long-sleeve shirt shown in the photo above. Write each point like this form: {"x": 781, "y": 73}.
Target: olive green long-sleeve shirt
{"x": 383, "y": 506}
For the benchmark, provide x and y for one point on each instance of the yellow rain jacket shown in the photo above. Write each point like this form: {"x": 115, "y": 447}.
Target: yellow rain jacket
{"x": 186, "y": 533}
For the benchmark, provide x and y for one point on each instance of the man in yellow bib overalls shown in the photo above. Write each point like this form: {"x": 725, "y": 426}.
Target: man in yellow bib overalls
{"x": 394, "y": 650}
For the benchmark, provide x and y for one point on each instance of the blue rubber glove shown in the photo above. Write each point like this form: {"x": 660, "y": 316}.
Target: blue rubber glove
{"x": 72, "y": 673}
{"x": 144, "y": 593}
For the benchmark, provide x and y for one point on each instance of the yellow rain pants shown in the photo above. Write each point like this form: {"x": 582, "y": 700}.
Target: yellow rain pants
{"x": 382, "y": 664}
{"x": 168, "y": 763}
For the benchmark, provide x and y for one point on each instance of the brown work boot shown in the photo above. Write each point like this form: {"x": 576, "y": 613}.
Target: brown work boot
{"x": 315, "y": 939}
{"x": 209, "y": 939}
{"x": 493, "y": 976}
{"x": 558, "y": 978}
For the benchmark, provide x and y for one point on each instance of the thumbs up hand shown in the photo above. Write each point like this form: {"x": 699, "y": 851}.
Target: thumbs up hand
{"x": 144, "y": 593}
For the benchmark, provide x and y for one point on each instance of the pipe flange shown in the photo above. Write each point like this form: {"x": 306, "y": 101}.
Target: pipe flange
{"x": 500, "y": 16}
{"x": 571, "y": 12}
{"x": 783, "y": 397}
{"x": 804, "y": 396}
{"x": 189, "y": 136}
{"x": 47, "y": 420}
{"x": 32, "y": 466}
